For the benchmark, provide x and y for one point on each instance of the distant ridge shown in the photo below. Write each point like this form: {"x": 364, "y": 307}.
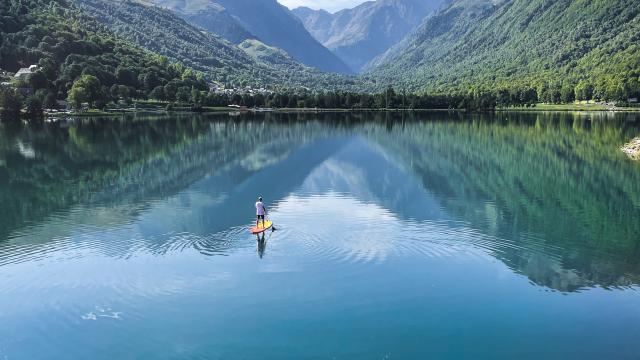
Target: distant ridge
{"x": 265, "y": 20}
{"x": 164, "y": 32}
{"x": 360, "y": 34}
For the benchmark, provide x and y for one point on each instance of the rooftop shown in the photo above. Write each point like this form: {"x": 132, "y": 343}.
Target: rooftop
{"x": 27, "y": 71}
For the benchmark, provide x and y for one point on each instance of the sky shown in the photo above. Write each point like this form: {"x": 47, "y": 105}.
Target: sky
{"x": 329, "y": 5}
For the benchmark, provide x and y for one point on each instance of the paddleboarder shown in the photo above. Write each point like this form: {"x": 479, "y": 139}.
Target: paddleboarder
{"x": 261, "y": 210}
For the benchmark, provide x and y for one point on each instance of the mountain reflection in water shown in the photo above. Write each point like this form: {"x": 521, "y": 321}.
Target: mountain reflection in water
{"x": 547, "y": 194}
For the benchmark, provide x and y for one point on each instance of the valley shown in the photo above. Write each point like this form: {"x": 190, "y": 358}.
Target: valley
{"x": 479, "y": 54}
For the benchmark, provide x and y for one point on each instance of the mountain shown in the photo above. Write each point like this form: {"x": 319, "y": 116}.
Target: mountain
{"x": 360, "y": 34}
{"x": 208, "y": 15}
{"x": 559, "y": 49}
{"x": 218, "y": 21}
{"x": 67, "y": 45}
{"x": 164, "y": 32}
{"x": 266, "y": 20}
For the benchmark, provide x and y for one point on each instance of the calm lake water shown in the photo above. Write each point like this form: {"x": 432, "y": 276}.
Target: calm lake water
{"x": 425, "y": 236}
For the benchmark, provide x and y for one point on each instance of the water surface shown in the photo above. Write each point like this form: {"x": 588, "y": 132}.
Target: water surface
{"x": 400, "y": 236}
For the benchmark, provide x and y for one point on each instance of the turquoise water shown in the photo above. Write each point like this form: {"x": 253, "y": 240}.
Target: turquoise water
{"x": 440, "y": 236}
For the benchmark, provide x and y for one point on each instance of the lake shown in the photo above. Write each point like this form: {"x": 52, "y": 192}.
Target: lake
{"x": 399, "y": 236}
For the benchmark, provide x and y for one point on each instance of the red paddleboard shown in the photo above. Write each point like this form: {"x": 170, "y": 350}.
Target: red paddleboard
{"x": 261, "y": 227}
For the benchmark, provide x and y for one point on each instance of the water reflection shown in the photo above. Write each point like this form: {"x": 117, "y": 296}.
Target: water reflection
{"x": 261, "y": 244}
{"x": 547, "y": 194}
{"x": 552, "y": 185}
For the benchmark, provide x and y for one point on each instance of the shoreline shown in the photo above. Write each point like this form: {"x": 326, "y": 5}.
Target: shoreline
{"x": 114, "y": 113}
{"x": 162, "y": 110}
{"x": 94, "y": 113}
{"x": 570, "y": 108}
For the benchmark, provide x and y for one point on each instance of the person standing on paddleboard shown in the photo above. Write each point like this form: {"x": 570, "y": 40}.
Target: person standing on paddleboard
{"x": 261, "y": 210}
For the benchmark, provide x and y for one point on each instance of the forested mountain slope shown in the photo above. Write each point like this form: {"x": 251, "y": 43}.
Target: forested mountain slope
{"x": 360, "y": 34}
{"x": 268, "y": 21}
{"x": 560, "y": 48}
{"x": 164, "y": 32}
{"x": 68, "y": 45}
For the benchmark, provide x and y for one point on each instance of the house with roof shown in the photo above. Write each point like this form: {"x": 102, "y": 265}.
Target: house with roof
{"x": 24, "y": 73}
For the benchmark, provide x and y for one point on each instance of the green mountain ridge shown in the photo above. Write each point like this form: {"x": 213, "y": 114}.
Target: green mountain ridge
{"x": 164, "y": 32}
{"x": 68, "y": 45}
{"x": 562, "y": 49}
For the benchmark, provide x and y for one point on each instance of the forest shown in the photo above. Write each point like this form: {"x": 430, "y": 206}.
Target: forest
{"x": 345, "y": 100}
{"x": 79, "y": 60}
{"x": 563, "y": 50}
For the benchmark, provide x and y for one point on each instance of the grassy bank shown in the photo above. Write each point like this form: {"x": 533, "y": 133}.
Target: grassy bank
{"x": 571, "y": 107}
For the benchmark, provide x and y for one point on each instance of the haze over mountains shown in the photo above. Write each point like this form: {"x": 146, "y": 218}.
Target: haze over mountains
{"x": 266, "y": 20}
{"x": 360, "y": 34}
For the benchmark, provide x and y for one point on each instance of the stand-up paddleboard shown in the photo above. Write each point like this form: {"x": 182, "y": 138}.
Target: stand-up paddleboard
{"x": 261, "y": 228}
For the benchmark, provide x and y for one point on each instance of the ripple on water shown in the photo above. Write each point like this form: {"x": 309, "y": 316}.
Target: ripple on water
{"x": 364, "y": 233}
{"x": 80, "y": 241}
{"x": 350, "y": 235}
{"x": 336, "y": 227}
{"x": 220, "y": 243}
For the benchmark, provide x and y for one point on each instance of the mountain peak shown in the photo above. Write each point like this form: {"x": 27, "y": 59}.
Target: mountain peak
{"x": 305, "y": 10}
{"x": 362, "y": 33}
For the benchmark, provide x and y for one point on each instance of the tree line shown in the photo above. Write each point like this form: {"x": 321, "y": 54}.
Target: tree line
{"x": 88, "y": 91}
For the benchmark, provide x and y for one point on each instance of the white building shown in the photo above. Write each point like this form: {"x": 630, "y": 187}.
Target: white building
{"x": 25, "y": 72}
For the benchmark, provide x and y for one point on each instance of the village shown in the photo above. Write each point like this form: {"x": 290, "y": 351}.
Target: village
{"x": 22, "y": 84}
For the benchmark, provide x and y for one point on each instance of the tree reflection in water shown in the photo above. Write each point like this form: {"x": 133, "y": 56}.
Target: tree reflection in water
{"x": 552, "y": 185}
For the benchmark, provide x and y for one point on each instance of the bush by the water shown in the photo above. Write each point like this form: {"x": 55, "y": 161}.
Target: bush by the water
{"x": 632, "y": 149}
